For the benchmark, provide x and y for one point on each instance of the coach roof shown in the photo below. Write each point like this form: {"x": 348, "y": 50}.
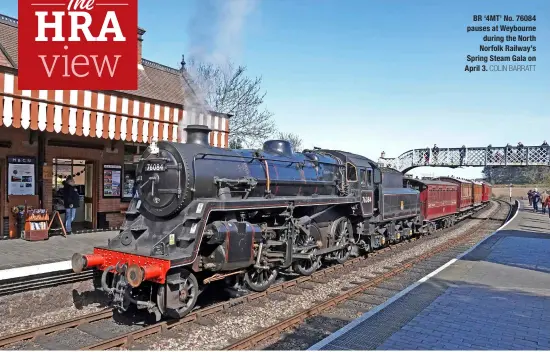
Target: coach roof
{"x": 429, "y": 182}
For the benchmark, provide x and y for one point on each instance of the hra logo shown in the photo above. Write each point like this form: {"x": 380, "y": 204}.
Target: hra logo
{"x": 78, "y": 44}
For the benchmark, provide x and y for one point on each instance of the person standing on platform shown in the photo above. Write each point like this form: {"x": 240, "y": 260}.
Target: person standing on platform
{"x": 530, "y": 196}
{"x": 536, "y": 200}
{"x": 544, "y": 199}
{"x": 71, "y": 200}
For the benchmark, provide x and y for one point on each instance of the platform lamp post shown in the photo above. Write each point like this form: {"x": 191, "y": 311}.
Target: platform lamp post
{"x": 511, "y": 185}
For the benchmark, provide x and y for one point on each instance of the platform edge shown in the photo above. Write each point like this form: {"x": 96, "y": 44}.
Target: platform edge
{"x": 406, "y": 290}
{"x": 15, "y": 273}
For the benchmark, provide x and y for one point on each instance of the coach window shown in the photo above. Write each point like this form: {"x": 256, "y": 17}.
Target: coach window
{"x": 352, "y": 172}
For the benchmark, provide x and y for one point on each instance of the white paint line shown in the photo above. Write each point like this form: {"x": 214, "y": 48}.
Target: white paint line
{"x": 398, "y": 295}
{"x": 34, "y": 270}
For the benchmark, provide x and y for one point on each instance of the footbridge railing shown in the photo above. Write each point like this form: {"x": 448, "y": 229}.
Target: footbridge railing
{"x": 475, "y": 156}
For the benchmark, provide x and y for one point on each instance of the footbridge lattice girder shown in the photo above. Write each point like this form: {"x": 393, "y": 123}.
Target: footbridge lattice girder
{"x": 476, "y": 156}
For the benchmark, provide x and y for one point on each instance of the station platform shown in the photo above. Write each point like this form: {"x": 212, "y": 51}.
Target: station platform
{"x": 20, "y": 258}
{"x": 496, "y": 296}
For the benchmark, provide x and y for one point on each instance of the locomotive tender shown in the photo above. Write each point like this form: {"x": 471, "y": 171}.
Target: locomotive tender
{"x": 205, "y": 214}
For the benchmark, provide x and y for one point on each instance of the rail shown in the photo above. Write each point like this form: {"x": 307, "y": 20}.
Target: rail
{"x": 127, "y": 339}
{"x": 297, "y": 319}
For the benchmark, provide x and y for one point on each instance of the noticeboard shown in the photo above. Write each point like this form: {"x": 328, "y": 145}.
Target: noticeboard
{"x": 112, "y": 177}
{"x": 21, "y": 176}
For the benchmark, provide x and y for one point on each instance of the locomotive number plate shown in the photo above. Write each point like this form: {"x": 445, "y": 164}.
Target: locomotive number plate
{"x": 155, "y": 167}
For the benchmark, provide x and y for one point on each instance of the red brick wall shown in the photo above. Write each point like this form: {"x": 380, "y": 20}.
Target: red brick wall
{"x": 100, "y": 157}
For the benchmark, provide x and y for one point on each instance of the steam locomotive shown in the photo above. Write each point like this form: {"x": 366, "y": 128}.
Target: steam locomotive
{"x": 205, "y": 214}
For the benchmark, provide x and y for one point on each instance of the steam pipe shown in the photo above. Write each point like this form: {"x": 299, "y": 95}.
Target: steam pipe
{"x": 267, "y": 178}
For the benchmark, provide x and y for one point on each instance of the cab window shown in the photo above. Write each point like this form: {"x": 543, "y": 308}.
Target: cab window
{"x": 351, "y": 172}
{"x": 369, "y": 178}
{"x": 363, "y": 177}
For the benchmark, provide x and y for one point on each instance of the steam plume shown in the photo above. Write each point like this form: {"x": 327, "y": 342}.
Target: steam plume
{"x": 215, "y": 30}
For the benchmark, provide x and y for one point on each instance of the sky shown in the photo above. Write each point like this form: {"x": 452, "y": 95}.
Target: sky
{"x": 366, "y": 76}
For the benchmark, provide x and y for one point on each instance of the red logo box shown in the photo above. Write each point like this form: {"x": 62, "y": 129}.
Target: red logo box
{"x": 78, "y": 44}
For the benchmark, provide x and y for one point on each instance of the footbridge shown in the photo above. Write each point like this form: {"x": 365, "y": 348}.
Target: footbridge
{"x": 474, "y": 156}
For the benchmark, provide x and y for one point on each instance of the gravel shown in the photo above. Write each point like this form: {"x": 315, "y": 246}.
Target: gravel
{"x": 66, "y": 301}
{"x": 246, "y": 321}
{"x": 45, "y": 306}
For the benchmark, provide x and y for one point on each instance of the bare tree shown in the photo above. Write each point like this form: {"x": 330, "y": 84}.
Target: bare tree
{"x": 294, "y": 140}
{"x": 227, "y": 89}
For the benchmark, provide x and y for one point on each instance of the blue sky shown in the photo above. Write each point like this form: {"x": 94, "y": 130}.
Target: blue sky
{"x": 371, "y": 75}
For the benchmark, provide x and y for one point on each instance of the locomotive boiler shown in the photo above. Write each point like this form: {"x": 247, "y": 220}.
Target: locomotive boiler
{"x": 205, "y": 214}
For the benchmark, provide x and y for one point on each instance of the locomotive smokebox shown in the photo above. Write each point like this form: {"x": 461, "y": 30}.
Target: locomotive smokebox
{"x": 198, "y": 134}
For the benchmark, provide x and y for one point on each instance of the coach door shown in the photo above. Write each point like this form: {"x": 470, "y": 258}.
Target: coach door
{"x": 365, "y": 176}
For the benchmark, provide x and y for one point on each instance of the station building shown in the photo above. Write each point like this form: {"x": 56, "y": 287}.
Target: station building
{"x": 95, "y": 136}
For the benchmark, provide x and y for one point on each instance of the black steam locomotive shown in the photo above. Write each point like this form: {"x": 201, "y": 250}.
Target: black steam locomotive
{"x": 205, "y": 214}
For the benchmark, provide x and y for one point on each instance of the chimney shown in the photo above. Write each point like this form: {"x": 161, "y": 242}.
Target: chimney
{"x": 140, "y": 44}
{"x": 198, "y": 134}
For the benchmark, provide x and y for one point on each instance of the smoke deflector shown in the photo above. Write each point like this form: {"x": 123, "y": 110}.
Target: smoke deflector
{"x": 198, "y": 134}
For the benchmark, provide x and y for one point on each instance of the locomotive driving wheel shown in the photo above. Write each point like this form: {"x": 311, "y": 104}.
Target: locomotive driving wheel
{"x": 342, "y": 231}
{"x": 306, "y": 267}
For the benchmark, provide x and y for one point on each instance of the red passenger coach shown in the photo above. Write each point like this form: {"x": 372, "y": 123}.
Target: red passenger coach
{"x": 478, "y": 193}
{"x": 486, "y": 192}
{"x": 437, "y": 199}
{"x": 464, "y": 192}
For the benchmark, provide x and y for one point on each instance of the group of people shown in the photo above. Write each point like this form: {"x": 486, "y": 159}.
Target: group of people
{"x": 425, "y": 156}
{"x": 535, "y": 198}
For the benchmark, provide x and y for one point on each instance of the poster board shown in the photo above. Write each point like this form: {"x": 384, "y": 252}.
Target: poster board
{"x": 112, "y": 177}
{"x": 21, "y": 176}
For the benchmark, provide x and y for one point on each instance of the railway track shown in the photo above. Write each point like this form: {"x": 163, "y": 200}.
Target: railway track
{"x": 428, "y": 261}
{"x": 100, "y": 331}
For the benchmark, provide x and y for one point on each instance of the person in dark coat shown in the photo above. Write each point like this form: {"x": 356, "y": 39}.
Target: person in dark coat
{"x": 536, "y": 200}
{"x": 462, "y": 154}
{"x": 530, "y": 196}
{"x": 435, "y": 153}
{"x": 71, "y": 200}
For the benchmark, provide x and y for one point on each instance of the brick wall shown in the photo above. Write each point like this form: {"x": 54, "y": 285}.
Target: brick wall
{"x": 100, "y": 157}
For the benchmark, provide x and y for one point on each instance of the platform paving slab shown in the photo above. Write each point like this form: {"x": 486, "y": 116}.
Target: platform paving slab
{"x": 19, "y": 253}
{"x": 495, "y": 297}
